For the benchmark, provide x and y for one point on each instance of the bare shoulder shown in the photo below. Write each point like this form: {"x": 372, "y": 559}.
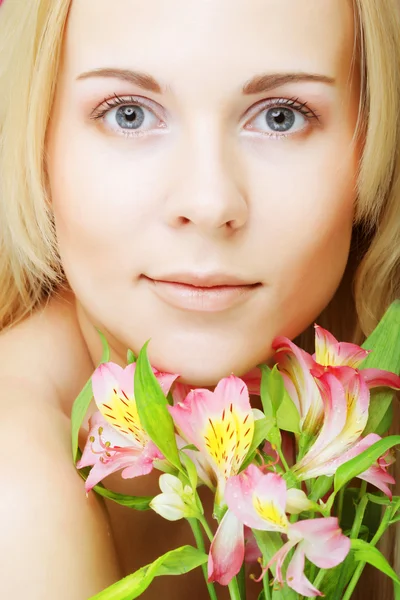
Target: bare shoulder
{"x": 55, "y": 542}
{"x": 47, "y": 350}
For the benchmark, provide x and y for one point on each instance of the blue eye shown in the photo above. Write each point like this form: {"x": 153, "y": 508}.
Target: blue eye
{"x": 128, "y": 116}
{"x": 282, "y": 116}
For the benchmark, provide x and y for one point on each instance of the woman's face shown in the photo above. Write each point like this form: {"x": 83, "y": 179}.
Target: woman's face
{"x": 203, "y": 173}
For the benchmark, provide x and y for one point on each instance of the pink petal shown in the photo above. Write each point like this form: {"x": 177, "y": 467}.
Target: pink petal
{"x": 105, "y": 379}
{"x": 220, "y": 424}
{"x": 379, "y": 378}
{"x": 232, "y": 390}
{"x": 101, "y": 470}
{"x": 330, "y": 466}
{"x": 323, "y": 541}
{"x": 227, "y": 550}
{"x": 296, "y": 364}
{"x": 330, "y": 352}
{"x": 243, "y": 491}
{"x": 295, "y": 577}
{"x": 166, "y": 380}
{"x": 94, "y": 449}
{"x": 279, "y": 559}
{"x": 379, "y": 477}
{"x": 324, "y": 344}
{"x": 252, "y": 380}
{"x": 180, "y": 392}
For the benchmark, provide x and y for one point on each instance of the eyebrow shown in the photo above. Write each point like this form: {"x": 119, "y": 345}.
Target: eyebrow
{"x": 256, "y": 85}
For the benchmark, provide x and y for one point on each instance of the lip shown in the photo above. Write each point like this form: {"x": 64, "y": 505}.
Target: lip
{"x": 203, "y": 292}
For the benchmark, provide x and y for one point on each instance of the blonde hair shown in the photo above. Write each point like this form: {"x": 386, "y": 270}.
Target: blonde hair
{"x": 30, "y": 269}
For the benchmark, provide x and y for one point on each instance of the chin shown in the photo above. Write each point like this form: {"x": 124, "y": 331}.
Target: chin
{"x": 203, "y": 370}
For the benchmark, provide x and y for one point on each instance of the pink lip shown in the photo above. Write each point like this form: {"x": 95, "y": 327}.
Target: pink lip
{"x": 203, "y": 293}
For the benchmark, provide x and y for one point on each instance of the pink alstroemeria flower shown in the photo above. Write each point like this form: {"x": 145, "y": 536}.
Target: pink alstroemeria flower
{"x": 260, "y": 501}
{"x": 295, "y": 366}
{"x": 330, "y": 355}
{"x": 299, "y": 370}
{"x": 116, "y": 438}
{"x": 346, "y": 405}
{"x": 220, "y": 424}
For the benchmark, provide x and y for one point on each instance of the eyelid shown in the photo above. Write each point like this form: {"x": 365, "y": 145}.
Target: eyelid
{"x": 294, "y": 103}
{"x": 116, "y": 100}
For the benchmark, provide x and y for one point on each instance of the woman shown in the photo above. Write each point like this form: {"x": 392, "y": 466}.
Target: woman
{"x": 205, "y": 174}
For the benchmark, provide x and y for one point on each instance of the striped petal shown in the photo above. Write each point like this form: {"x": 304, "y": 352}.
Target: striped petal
{"x": 330, "y": 352}
{"x": 296, "y": 364}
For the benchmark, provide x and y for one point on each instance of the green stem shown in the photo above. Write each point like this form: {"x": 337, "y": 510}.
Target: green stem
{"x": 355, "y": 530}
{"x": 206, "y": 528}
{"x": 357, "y": 573}
{"x": 234, "y": 589}
{"x": 363, "y": 489}
{"x": 200, "y": 544}
{"x": 319, "y": 578}
{"x": 359, "y": 516}
{"x": 283, "y": 459}
{"x": 340, "y": 505}
{"x": 242, "y": 582}
{"x": 266, "y": 588}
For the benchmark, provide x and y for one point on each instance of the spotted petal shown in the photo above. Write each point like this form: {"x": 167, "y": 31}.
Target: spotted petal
{"x": 220, "y": 424}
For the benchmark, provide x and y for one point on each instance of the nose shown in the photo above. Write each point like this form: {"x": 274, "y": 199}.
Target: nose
{"x": 206, "y": 193}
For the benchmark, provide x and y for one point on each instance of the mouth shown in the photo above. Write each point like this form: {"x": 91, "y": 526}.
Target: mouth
{"x": 199, "y": 292}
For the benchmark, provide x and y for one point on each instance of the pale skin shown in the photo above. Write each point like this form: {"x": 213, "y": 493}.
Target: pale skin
{"x": 210, "y": 187}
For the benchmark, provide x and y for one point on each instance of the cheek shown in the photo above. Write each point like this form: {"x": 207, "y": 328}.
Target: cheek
{"x": 102, "y": 201}
{"x": 309, "y": 228}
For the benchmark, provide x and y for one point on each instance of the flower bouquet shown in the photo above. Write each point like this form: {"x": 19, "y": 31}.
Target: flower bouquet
{"x": 301, "y": 487}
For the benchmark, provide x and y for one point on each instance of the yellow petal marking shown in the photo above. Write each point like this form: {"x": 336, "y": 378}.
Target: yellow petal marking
{"x": 228, "y": 439}
{"x": 270, "y": 512}
{"x": 121, "y": 412}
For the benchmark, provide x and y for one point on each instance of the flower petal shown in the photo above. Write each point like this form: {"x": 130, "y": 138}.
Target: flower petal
{"x": 220, "y": 424}
{"x": 297, "y": 364}
{"x": 295, "y": 577}
{"x": 324, "y": 345}
{"x": 113, "y": 394}
{"x": 297, "y": 502}
{"x": 335, "y": 406}
{"x": 377, "y": 378}
{"x": 323, "y": 541}
{"x": 330, "y": 352}
{"x": 227, "y": 550}
{"x": 258, "y": 499}
{"x": 170, "y": 506}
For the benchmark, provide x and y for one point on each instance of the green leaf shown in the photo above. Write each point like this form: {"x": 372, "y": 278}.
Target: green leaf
{"x": 276, "y": 400}
{"x": 395, "y": 520}
{"x": 130, "y": 357}
{"x": 384, "y": 341}
{"x": 363, "y": 552}
{"x": 321, "y": 486}
{"x": 176, "y": 562}
{"x": 83, "y": 400}
{"x": 190, "y": 470}
{"x": 152, "y": 409}
{"x": 363, "y": 461}
{"x": 262, "y": 428}
{"x": 268, "y": 397}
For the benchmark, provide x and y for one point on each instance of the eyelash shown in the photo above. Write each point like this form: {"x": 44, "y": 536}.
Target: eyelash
{"x": 294, "y": 103}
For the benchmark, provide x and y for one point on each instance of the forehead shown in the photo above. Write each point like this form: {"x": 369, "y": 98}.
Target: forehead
{"x": 200, "y": 42}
